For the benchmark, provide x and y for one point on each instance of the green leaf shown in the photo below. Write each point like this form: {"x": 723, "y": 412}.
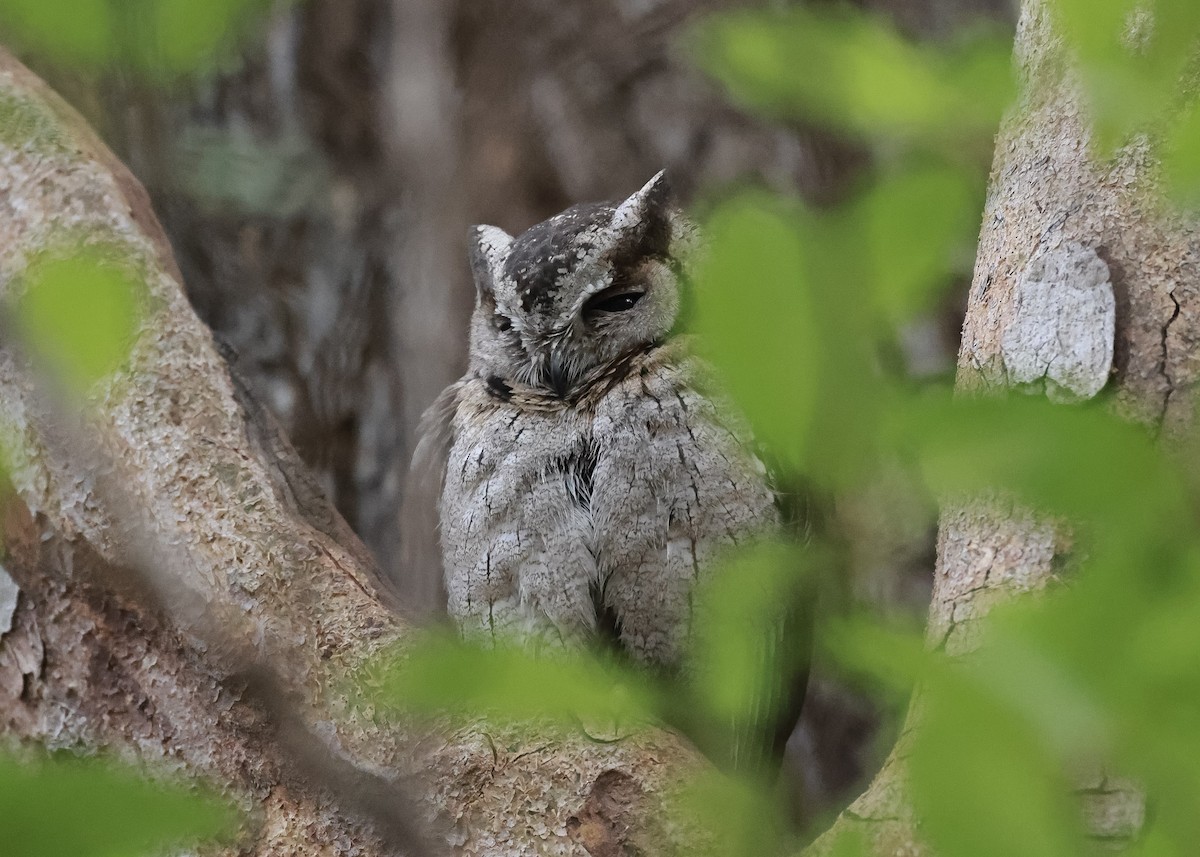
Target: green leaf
{"x": 755, "y": 270}
{"x": 1132, "y": 57}
{"x": 190, "y": 36}
{"x": 1181, "y": 158}
{"x": 793, "y": 305}
{"x": 983, "y": 784}
{"x": 79, "y": 314}
{"x": 65, "y": 807}
{"x": 441, "y": 674}
{"x": 854, "y": 72}
{"x": 1042, "y": 688}
{"x": 158, "y": 39}
{"x": 894, "y": 658}
{"x": 1095, "y": 28}
{"x": 849, "y": 842}
{"x": 917, "y": 226}
{"x": 741, "y": 649}
{"x": 1079, "y": 461}
{"x": 71, "y": 31}
{"x": 740, "y": 818}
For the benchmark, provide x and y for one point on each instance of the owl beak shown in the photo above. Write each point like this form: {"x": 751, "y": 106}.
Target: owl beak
{"x": 557, "y": 374}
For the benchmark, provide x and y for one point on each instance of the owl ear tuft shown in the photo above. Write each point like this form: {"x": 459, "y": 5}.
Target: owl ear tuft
{"x": 646, "y": 215}
{"x": 653, "y": 201}
{"x": 488, "y": 250}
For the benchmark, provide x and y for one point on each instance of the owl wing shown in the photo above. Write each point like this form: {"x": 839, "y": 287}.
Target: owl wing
{"x": 421, "y": 589}
{"x": 437, "y": 436}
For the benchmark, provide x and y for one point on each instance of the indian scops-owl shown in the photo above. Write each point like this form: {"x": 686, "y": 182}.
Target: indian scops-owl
{"x": 592, "y": 473}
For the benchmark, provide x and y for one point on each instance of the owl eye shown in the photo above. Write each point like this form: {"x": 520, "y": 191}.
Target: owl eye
{"x": 612, "y": 303}
{"x": 502, "y": 324}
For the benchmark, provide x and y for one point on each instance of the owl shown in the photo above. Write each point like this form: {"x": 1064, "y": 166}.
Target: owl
{"x": 593, "y": 472}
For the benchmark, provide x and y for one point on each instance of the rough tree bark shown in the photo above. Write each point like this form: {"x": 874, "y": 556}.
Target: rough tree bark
{"x": 231, "y": 533}
{"x": 1049, "y": 194}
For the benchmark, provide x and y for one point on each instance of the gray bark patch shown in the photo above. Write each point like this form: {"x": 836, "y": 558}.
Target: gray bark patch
{"x": 1061, "y": 335}
{"x": 9, "y": 591}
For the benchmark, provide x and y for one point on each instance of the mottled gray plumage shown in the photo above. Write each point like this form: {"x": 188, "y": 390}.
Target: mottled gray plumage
{"x": 592, "y": 474}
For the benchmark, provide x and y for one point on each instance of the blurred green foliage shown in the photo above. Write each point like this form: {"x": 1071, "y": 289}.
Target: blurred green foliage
{"x": 78, "y": 312}
{"x": 756, "y": 240}
{"x": 68, "y": 807}
{"x": 835, "y": 284}
{"x": 739, "y": 818}
{"x": 1132, "y": 57}
{"x": 852, "y": 72}
{"x": 441, "y": 673}
{"x": 158, "y": 39}
{"x": 733, "y": 670}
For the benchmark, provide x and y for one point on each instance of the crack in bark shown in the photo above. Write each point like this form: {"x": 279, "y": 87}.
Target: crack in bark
{"x": 1164, "y": 363}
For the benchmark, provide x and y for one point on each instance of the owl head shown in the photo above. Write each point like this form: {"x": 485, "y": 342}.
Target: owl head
{"x": 579, "y": 291}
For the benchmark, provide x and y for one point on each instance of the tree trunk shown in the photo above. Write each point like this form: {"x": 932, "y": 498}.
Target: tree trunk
{"x": 1050, "y": 195}
{"x": 188, "y": 599}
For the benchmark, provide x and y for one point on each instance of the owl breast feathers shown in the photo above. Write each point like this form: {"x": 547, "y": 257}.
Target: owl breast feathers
{"x": 592, "y": 474}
